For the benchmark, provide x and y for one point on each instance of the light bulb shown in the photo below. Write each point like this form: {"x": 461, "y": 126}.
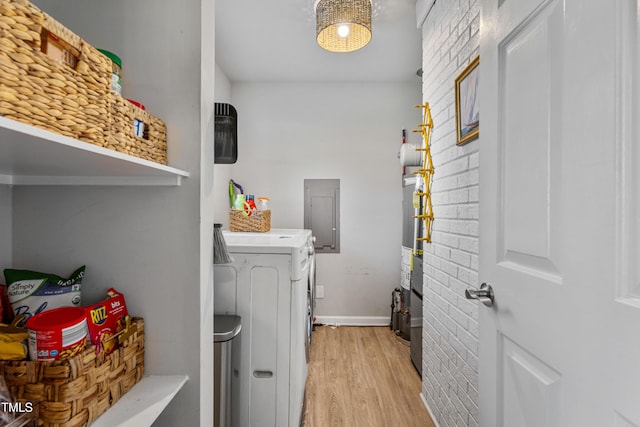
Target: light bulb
{"x": 343, "y": 30}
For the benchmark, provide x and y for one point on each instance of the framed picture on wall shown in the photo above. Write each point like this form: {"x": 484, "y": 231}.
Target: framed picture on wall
{"x": 467, "y": 103}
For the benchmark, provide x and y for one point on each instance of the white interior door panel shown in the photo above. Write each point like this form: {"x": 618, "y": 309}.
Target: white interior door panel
{"x": 559, "y": 213}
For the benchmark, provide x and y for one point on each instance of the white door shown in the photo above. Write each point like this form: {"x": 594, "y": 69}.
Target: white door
{"x": 559, "y": 213}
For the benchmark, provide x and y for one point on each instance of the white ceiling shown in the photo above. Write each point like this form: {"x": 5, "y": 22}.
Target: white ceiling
{"x": 275, "y": 41}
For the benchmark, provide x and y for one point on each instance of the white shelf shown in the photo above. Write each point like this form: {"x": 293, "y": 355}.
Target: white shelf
{"x": 141, "y": 405}
{"x": 33, "y": 156}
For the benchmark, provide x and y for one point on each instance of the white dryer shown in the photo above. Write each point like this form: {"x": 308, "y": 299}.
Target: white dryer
{"x": 266, "y": 286}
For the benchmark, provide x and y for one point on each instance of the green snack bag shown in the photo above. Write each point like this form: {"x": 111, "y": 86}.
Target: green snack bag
{"x": 31, "y": 292}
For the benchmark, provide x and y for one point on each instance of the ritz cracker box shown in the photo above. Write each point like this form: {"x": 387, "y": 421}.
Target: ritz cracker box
{"x": 105, "y": 319}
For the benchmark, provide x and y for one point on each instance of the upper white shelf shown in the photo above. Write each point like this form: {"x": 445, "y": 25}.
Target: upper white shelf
{"x": 33, "y": 156}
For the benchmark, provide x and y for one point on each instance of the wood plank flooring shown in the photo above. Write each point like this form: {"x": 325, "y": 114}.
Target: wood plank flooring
{"x": 362, "y": 376}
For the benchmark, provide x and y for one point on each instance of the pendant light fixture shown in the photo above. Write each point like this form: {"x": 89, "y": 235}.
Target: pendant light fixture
{"x": 343, "y": 25}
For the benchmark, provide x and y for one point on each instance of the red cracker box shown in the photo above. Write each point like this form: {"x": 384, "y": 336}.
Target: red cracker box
{"x": 105, "y": 319}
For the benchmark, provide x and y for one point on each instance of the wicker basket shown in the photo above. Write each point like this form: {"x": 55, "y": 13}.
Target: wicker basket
{"x": 75, "y": 391}
{"x": 259, "y": 221}
{"x": 152, "y": 146}
{"x": 37, "y": 90}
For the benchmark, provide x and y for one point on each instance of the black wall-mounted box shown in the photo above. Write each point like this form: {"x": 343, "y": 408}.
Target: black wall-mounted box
{"x": 226, "y": 134}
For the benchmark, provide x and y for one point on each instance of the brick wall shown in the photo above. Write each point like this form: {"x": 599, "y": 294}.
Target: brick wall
{"x": 450, "y": 348}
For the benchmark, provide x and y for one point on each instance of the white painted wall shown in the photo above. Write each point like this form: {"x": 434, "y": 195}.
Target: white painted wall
{"x": 450, "y": 348}
{"x": 352, "y": 132}
{"x": 152, "y": 243}
{"x": 6, "y": 223}
{"x": 222, "y": 173}
{"x": 205, "y": 285}
{"x": 222, "y": 86}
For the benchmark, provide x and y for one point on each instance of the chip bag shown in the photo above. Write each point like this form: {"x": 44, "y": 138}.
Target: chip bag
{"x": 13, "y": 342}
{"x": 31, "y": 292}
{"x": 6, "y": 313}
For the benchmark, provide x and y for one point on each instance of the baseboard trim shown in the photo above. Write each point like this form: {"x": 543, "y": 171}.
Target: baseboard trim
{"x": 426, "y": 405}
{"x": 353, "y": 320}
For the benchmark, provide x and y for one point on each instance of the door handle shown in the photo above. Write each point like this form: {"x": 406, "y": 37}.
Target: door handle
{"x": 262, "y": 373}
{"x": 484, "y": 294}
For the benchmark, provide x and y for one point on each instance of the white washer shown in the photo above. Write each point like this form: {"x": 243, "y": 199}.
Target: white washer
{"x": 266, "y": 286}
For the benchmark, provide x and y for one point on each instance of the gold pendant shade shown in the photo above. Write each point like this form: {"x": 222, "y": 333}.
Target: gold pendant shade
{"x": 343, "y": 25}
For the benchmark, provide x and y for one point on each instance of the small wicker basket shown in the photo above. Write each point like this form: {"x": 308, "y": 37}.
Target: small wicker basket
{"x": 38, "y": 90}
{"x": 152, "y": 146}
{"x": 259, "y": 221}
{"x": 75, "y": 391}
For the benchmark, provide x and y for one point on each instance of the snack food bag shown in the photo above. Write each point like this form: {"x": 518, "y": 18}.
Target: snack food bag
{"x": 13, "y": 342}
{"x": 5, "y": 396}
{"x": 105, "y": 319}
{"x": 6, "y": 315}
{"x": 4, "y": 303}
{"x": 32, "y": 292}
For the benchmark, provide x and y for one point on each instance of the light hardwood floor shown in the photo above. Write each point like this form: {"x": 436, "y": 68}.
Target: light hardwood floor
{"x": 362, "y": 376}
